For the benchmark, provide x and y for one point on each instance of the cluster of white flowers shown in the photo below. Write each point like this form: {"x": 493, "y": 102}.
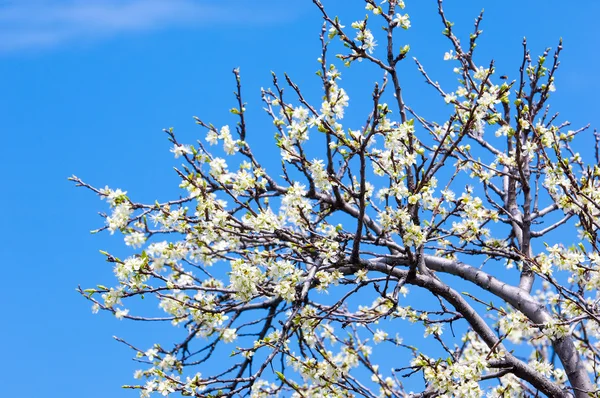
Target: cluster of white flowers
{"x": 400, "y": 221}
{"x": 435, "y": 329}
{"x": 453, "y": 379}
{"x": 113, "y": 197}
{"x": 208, "y": 320}
{"x": 574, "y": 261}
{"x": 230, "y": 146}
{"x": 379, "y": 336}
{"x": 364, "y": 36}
{"x": 264, "y": 220}
{"x": 396, "y": 157}
{"x": 128, "y": 272}
{"x": 119, "y": 217}
{"x": 264, "y": 389}
{"x": 176, "y": 305}
{"x": 219, "y": 169}
{"x": 295, "y": 207}
{"x": 244, "y": 181}
{"x": 402, "y": 21}
{"x": 135, "y": 239}
{"x": 329, "y": 252}
{"x": 474, "y": 214}
{"x": 285, "y": 277}
{"x": 297, "y": 129}
{"x": 180, "y": 150}
{"x": 323, "y": 373}
{"x": 319, "y": 175}
{"x": 112, "y": 297}
{"x": 515, "y": 326}
{"x": 244, "y": 279}
{"x": 337, "y": 101}
{"x": 326, "y": 278}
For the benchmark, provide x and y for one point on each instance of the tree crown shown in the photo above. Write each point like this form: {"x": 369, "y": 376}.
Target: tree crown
{"x": 300, "y": 268}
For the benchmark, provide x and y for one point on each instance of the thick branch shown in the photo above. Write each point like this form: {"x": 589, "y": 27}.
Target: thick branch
{"x": 521, "y": 300}
{"x": 434, "y": 285}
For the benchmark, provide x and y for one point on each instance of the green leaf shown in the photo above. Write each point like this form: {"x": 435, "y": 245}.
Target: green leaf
{"x": 280, "y": 375}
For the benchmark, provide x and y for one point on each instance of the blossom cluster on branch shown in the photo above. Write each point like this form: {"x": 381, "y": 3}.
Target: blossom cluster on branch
{"x": 268, "y": 259}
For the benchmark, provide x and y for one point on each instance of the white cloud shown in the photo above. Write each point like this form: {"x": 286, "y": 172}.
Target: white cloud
{"x": 32, "y": 24}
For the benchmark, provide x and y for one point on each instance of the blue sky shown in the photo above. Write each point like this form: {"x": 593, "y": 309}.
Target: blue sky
{"x": 87, "y": 87}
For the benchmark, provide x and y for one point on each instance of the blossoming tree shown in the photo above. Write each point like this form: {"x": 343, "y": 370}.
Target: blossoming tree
{"x": 264, "y": 261}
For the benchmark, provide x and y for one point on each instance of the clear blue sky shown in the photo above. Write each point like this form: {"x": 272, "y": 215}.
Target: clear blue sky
{"x": 86, "y": 87}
